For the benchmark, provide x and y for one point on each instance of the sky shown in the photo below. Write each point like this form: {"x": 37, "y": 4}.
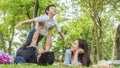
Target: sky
{"x": 1, "y": 15}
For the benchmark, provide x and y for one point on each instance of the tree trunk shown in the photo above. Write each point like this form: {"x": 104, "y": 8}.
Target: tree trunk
{"x": 2, "y": 41}
{"x": 117, "y": 41}
{"x": 100, "y": 39}
{"x": 35, "y": 11}
{"x": 10, "y": 42}
{"x": 92, "y": 56}
{"x": 9, "y": 49}
{"x": 63, "y": 49}
{"x": 97, "y": 29}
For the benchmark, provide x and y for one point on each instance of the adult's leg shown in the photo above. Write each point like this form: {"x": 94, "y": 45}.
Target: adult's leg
{"x": 19, "y": 59}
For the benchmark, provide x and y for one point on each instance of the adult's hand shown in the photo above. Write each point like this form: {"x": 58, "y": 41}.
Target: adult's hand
{"x": 80, "y": 51}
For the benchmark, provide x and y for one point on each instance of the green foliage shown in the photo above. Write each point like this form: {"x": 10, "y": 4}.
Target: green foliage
{"x": 13, "y": 12}
{"x": 81, "y": 26}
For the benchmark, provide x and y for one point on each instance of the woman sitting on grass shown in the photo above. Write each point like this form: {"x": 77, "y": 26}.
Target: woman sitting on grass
{"x": 77, "y": 54}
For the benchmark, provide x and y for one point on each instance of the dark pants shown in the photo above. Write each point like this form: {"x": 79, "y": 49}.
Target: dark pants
{"x": 26, "y": 54}
{"x": 29, "y": 39}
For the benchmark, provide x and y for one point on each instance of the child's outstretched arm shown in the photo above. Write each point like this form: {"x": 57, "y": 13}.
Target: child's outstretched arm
{"x": 61, "y": 35}
{"x": 48, "y": 39}
{"x": 60, "y": 32}
{"x": 25, "y": 22}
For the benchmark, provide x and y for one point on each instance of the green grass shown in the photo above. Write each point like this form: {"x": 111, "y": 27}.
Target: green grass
{"x": 38, "y": 66}
{"x": 33, "y": 66}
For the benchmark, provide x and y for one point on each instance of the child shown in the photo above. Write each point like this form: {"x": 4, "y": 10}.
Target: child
{"x": 48, "y": 22}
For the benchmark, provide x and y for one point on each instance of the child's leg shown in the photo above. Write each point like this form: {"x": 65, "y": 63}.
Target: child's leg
{"x": 40, "y": 38}
{"x": 29, "y": 39}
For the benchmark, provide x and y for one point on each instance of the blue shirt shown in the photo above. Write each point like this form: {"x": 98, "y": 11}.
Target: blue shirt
{"x": 68, "y": 58}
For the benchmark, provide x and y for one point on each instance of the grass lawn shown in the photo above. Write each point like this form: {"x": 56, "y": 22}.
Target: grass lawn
{"x": 37, "y": 66}
{"x": 33, "y": 66}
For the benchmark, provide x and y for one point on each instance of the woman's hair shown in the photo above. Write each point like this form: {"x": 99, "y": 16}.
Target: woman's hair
{"x": 83, "y": 58}
{"x": 47, "y": 58}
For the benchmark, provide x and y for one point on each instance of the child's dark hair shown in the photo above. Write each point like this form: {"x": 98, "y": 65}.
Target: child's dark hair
{"x": 47, "y": 8}
{"x": 46, "y": 58}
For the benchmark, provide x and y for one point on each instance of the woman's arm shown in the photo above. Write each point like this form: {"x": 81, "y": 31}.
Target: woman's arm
{"x": 75, "y": 57}
{"x": 75, "y": 61}
{"x": 67, "y": 57}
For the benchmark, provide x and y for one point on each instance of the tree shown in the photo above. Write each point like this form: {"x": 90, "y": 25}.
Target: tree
{"x": 2, "y": 41}
{"x": 117, "y": 40}
{"x": 17, "y": 11}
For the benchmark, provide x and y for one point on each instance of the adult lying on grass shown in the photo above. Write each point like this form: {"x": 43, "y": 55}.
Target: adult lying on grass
{"x": 29, "y": 54}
